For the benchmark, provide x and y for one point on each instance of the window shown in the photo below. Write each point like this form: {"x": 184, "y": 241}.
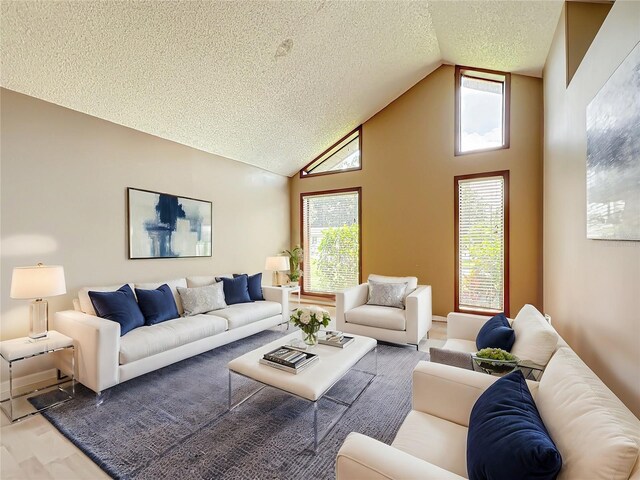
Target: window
{"x": 482, "y": 110}
{"x": 331, "y": 240}
{"x": 482, "y": 243}
{"x": 343, "y": 156}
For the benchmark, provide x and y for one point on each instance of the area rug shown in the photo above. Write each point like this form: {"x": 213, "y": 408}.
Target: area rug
{"x": 173, "y": 423}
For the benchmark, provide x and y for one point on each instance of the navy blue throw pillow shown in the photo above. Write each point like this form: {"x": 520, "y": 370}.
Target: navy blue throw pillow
{"x": 236, "y": 290}
{"x": 507, "y": 438}
{"x": 119, "y": 306}
{"x": 254, "y": 285}
{"x": 496, "y": 333}
{"x": 157, "y": 305}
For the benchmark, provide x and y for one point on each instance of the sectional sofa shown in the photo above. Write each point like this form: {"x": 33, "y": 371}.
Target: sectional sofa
{"x": 104, "y": 358}
{"x": 596, "y": 434}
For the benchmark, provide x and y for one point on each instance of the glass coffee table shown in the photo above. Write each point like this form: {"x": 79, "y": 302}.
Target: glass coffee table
{"x": 311, "y": 384}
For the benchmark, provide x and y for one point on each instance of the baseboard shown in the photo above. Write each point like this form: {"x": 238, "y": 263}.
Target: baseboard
{"x": 27, "y": 381}
{"x": 438, "y": 318}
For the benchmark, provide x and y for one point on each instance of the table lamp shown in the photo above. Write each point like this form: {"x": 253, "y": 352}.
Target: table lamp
{"x": 277, "y": 264}
{"x": 37, "y": 282}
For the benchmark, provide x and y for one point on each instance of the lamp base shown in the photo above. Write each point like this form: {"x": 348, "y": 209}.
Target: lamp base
{"x": 39, "y": 320}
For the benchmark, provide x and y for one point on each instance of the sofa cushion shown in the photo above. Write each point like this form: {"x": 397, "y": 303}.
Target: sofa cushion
{"x": 496, "y": 333}
{"x": 86, "y": 305}
{"x": 254, "y": 285}
{"x": 119, "y": 306}
{"x": 507, "y": 438}
{"x": 434, "y": 440}
{"x": 157, "y": 305}
{"x": 387, "y": 294}
{"x": 236, "y": 290}
{"x": 202, "y": 299}
{"x": 388, "y": 318}
{"x": 460, "y": 345}
{"x": 598, "y": 436}
{"x": 535, "y": 340}
{"x": 173, "y": 285}
{"x": 244, "y": 313}
{"x": 412, "y": 282}
{"x": 150, "y": 340}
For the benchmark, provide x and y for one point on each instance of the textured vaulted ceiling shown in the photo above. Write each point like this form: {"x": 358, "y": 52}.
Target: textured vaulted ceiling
{"x": 267, "y": 83}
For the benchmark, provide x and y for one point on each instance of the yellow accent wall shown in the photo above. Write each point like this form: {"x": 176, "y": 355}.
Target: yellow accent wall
{"x": 407, "y": 175}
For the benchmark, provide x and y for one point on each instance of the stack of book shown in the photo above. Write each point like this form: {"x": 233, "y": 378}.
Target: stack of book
{"x": 335, "y": 339}
{"x": 288, "y": 359}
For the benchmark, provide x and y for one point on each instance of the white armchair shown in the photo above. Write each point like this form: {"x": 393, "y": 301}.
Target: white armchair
{"x": 387, "y": 324}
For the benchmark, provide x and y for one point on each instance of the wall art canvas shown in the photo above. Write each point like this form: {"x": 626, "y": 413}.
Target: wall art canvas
{"x": 168, "y": 226}
{"x": 613, "y": 155}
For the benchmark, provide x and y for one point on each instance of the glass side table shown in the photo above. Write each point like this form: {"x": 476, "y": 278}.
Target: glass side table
{"x": 530, "y": 370}
{"x": 17, "y": 406}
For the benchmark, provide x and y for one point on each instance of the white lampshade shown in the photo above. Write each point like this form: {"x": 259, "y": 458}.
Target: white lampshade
{"x": 38, "y": 281}
{"x": 277, "y": 264}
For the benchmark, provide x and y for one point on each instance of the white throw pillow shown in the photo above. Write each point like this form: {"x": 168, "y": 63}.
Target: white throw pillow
{"x": 536, "y": 340}
{"x": 412, "y": 282}
{"x": 386, "y": 294}
{"x": 202, "y": 299}
{"x": 598, "y": 437}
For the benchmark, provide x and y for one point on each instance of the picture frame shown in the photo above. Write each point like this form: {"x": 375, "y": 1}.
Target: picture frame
{"x": 613, "y": 155}
{"x": 162, "y": 225}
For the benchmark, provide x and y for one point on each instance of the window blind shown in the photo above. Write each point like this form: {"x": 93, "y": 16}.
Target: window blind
{"x": 481, "y": 243}
{"x": 330, "y": 224}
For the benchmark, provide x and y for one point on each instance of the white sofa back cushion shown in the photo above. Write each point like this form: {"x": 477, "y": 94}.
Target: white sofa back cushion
{"x": 85, "y": 302}
{"x": 204, "y": 280}
{"x": 173, "y": 285}
{"x": 536, "y": 340}
{"x": 412, "y": 282}
{"x": 598, "y": 437}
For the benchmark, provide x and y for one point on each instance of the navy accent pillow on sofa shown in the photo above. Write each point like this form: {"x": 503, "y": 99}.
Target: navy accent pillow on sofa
{"x": 157, "y": 305}
{"x": 254, "y": 284}
{"x": 496, "y": 333}
{"x": 236, "y": 290}
{"x": 119, "y": 306}
{"x": 506, "y": 438}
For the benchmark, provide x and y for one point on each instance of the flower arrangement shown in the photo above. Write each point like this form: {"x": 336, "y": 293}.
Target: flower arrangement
{"x": 309, "y": 320}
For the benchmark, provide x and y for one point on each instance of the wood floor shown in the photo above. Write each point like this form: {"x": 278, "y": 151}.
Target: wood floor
{"x": 32, "y": 449}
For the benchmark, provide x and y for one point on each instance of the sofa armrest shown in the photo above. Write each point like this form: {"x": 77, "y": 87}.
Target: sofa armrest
{"x": 465, "y": 326}
{"x": 97, "y": 343}
{"x": 448, "y": 392}
{"x": 348, "y": 299}
{"x": 363, "y": 457}
{"x": 419, "y": 315}
{"x": 280, "y": 295}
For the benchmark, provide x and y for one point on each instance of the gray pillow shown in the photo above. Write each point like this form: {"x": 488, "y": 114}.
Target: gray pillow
{"x": 451, "y": 357}
{"x": 386, "y": 294}
{"x": 202, "y": 299}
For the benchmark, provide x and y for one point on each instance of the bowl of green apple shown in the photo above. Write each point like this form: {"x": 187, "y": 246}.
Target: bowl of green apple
{"x": 496, "y": 360}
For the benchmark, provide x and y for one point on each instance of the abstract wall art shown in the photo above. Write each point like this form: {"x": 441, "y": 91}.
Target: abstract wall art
{"x": 613, "y": 155}
{"x": 168, "y": 226}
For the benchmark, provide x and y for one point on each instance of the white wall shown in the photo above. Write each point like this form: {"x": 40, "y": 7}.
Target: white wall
{"x": 591, "y": 287}
{"x": 64, "y": 176}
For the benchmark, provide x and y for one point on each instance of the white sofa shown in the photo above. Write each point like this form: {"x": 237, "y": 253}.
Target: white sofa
{"x": 387, "y": 324}
{"x": 536, "y": 340}
{"x": 105, "y": 359}
{"x": 597, "y": 436}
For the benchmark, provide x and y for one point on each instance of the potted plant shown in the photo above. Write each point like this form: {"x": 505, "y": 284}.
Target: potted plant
{"x": 495, "y": 360}
{"x": 309, "y": 320}
{"x": 295, "y": 259}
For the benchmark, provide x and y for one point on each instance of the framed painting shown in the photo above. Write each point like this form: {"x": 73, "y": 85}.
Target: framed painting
{"x": 167, "y": 226}
{"x": 613, "y": 155}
